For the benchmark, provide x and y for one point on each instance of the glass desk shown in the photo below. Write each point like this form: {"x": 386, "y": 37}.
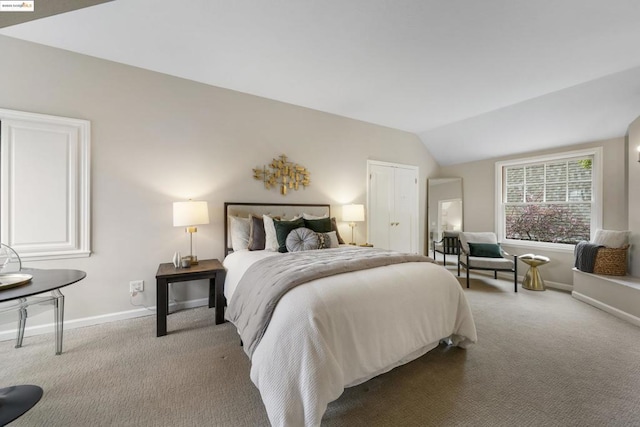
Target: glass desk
{"x": 16, "y": 400}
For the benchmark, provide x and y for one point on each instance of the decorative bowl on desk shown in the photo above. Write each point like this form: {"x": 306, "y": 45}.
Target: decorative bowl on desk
{"x": 10, "y": 280}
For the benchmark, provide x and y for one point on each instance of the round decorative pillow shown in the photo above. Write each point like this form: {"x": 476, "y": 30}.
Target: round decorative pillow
{"x": 302, "y": 239}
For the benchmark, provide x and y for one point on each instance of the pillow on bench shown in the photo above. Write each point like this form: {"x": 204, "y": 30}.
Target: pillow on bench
{"x": 611, "y": 238}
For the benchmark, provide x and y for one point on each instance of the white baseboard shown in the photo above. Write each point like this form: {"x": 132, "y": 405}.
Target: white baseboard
{"x": 97, "y": 320}
{"x": 606, "y": 307}
{"x": 558, "y": 285}
{"x": 547, "y": 283}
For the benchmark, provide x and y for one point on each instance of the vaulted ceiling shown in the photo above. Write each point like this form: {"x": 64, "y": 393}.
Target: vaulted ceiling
{"x": 473, "y": 79}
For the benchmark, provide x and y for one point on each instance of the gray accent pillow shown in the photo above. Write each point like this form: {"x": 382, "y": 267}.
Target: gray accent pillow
{"x": 239, "y": 232}
{"x": 257, "y": 236}
{"x": 302, "y": 239}
{"x": 334, "y": 227}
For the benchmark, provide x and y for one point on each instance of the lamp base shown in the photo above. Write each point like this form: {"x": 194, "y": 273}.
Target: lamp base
{"x": 353, "y": 226}
{"x": 192, "y": 258}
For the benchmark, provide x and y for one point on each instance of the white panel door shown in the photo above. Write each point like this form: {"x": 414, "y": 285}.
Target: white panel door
{"x": 380, "y": 205}
{"x": 393, "y": 207}
{"x": 404, "y": 231}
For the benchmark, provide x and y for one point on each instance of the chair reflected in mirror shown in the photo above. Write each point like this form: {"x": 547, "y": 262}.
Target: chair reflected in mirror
{"x": 448, "y": 245}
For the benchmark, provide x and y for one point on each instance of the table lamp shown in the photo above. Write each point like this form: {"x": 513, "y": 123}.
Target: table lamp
{"x": 189, "y": 214}
{"x": 352, "y": 213}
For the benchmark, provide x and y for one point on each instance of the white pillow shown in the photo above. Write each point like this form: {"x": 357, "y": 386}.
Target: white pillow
{"x": 270, "y": 238}
{"x": 309, "y": 216}
{"x": 239, "y": 229}
{"x": 611, "y": 238}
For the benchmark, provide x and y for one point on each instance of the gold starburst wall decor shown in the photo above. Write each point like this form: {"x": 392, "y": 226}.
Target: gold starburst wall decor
{"x": 282, "y": 175}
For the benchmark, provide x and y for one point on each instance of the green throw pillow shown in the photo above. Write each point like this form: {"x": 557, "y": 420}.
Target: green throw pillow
{"x": 283, "y": 228}
{"x": 321, "y": 225}
{"x": 487, "y": 250}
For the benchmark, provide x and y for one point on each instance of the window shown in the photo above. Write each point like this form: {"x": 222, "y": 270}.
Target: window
{"x": 551, "y": 201}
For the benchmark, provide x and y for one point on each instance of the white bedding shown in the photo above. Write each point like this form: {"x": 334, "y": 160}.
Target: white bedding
{"x": 342, "y": 330}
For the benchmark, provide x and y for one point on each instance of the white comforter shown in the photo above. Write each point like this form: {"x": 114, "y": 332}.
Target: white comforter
{"x": 342, "y": 330}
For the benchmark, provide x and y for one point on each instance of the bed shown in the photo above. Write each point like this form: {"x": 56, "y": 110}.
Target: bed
{"x": 338, "y": 329}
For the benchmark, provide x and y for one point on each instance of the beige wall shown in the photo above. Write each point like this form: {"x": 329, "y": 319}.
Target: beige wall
{"x": 157, "y": 139}
{"x": 479, "y": 200}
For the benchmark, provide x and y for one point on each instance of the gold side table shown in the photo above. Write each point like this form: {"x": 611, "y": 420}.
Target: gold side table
{"x": 532, "y": 279}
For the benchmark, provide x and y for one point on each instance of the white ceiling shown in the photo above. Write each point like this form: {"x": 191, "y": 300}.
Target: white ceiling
{"x": 473, "y": 79}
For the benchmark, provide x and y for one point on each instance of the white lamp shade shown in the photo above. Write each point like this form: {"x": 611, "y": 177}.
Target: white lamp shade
{"x": 353, "y": 213}
{"x": 193, "y": 212}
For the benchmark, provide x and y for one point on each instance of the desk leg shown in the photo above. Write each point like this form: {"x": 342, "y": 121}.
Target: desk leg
{"x": 220, "y": 300}
{"x": 22, "y": 322}
{"x": 59, "y": 318}
{"x": 162, "y": 289}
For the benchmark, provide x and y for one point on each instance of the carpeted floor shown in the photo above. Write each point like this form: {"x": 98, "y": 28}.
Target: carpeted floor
{"x": 543, "y": 359}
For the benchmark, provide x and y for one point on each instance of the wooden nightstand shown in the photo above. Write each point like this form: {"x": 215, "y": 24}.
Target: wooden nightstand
{"x": 211, "y": 269}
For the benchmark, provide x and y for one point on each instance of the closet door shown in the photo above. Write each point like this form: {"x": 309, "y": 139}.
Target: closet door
{"x": 404, "y": 232}
{"x": 393, "y": 206}
{"x": 380, "y": 205}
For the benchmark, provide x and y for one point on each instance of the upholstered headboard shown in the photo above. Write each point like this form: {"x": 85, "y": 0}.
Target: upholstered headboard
{"x": 283, "y": 210}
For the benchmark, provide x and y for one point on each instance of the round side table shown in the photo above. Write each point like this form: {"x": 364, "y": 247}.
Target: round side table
{"x": 532, "y": 279}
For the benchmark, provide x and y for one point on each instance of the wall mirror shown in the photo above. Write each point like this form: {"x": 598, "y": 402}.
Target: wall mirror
{"x": 444, "y": 205}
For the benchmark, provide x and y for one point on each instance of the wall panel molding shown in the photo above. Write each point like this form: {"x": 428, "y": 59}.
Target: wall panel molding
{"x": 45, "y": 185}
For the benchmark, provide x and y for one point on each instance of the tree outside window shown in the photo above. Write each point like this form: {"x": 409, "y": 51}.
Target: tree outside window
{"x": 549, "y": 201}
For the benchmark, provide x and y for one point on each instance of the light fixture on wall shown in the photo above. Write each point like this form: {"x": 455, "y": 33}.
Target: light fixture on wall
{"x": 638, "y": 148}
{"x": 189, "y": 214}
{"x": 352, "y": 213}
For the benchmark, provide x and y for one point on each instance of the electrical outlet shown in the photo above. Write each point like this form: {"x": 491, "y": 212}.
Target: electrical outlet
{"x": 136, "y": 286}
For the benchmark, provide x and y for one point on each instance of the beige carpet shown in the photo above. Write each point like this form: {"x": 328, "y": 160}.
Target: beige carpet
{"x": 543, "y": 359}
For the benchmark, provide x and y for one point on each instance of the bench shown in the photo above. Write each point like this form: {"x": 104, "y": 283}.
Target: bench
{"x": 617, "y": 295}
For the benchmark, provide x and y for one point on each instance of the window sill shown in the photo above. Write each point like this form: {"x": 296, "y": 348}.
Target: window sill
{"x": 537, "y": 246}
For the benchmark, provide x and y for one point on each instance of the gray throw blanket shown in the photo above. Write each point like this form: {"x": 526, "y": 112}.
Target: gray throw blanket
{"x": 585, "y": 254}
{"x": 266, "y": 281}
